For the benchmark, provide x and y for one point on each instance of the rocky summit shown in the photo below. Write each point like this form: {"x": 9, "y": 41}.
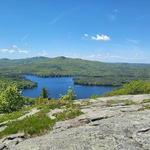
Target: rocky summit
{"x": 107, "y": 123}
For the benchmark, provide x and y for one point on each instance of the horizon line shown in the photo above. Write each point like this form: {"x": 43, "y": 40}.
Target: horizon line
{"x": 74, "y": 58}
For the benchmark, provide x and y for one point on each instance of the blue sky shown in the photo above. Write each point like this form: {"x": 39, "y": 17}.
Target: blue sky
{"x": 103, "y": 30}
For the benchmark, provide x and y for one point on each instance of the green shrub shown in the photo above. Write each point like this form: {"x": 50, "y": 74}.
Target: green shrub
{"x": 134, "y": 87}
{"x": 94, "y": 96}
{"x": 29, "y": 101}
{"x": 46, "y": 105}
{"x": 69, "y": 96}
{"x": 11, "y": 99}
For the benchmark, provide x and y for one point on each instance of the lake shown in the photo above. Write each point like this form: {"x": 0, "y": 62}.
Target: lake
{"x": 58, "y": 86}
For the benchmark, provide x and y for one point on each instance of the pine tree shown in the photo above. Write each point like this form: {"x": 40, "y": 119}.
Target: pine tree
{"x": 44, "y": 93}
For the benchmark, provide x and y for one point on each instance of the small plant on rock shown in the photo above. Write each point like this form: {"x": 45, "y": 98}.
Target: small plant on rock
{"x": 69, "y": 96}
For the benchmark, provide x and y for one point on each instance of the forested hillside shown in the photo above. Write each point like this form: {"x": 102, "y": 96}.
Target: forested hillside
{"x": 83, "y": 71}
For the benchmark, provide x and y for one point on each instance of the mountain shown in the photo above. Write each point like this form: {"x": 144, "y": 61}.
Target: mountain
{"x": 83, "y": 71}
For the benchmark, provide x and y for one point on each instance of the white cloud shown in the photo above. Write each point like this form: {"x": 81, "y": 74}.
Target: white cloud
{"x": 86, "y": 35}
{"x": 98, "y": 37}
{"x": 101, "y": 37}
{"x": 13, "y": 49}
{"x": 23, "y": 51}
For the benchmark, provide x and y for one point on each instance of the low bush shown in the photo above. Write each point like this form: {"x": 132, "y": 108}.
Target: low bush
{"x": 134, "y": 87}
{"x": 94, "y": 96}
{"x": 11, "y": 99}
{"x": 69, "y": 96}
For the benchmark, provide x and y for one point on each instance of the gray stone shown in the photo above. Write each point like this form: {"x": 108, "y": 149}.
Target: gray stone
{"x": 2, "y": 146}
{"x": 99, "y": 128}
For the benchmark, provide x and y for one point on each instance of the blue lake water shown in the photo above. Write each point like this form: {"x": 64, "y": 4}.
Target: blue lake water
{"x": 59, "y": 85}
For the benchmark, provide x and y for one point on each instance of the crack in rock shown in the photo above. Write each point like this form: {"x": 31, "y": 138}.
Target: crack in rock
{"x": 144, "y": 130}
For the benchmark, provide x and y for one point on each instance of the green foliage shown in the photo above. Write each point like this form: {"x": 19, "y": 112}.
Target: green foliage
{"x": 46, "y": 105}
{"x": 39, "y": 123}
{"x": 19, "y": 81}
{"x": 44, "y": 93}
{"x": 10, "y": 99}
{"x": 83, "y": 71}
{"x": 94, "y": 96}
{"x": 111, "y": 103}
{"x": 69, "y": 96}
{"x": 33, "y": 125}
{"x": 134, "y": 87}
{"x": 68, "y": 114}
{"x": 146, "y": 101}
{"x": 11, "y": 116}
{"x": 29, "y": 101}
{"x": 41, "y": 101}
{"x": 129, "y": 102}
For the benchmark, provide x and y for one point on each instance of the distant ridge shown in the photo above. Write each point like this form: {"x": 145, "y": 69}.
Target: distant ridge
{"x": 63, "y": 58}
{"x": 83, "y": 71}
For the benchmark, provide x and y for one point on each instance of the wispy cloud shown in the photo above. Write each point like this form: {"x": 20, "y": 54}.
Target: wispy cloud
{"x": 133, "y": 41}
{"x": 108, "y": 57}
{"x": 113, "y": 15}
{"x": 142, "y": 17}
{"x": 13, "y": 49}
{"x": 97, "y": 37}
{"x": 25, "y": 37}
{"x": 57, "y": 18}
{"x": 62, "y": 15}
{"x": 86, "y": 35}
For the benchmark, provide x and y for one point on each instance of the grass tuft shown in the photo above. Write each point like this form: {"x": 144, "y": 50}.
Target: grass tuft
{"x": 111, "y": 103}
{"x": 33, "y": 125}
{"x": 39, "y": 123}
{"x": 68, "y": 114}
{"x": 146, "y": 101}
{"x": 144, "y": 107}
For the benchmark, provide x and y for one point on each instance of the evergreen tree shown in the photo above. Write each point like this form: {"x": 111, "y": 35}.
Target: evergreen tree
{"x": 44, "y": 93}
